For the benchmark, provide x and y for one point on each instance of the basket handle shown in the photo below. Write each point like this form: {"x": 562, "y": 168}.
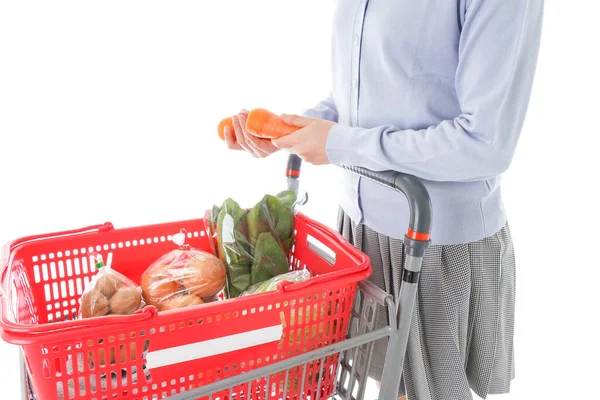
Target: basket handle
{"x": 9, "y": 248}
{"x": 25, "y": 334}
{"x": 335, "y": 243}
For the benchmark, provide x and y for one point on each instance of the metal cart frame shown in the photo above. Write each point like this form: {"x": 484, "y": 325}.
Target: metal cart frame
{"x": 356, "y": 351}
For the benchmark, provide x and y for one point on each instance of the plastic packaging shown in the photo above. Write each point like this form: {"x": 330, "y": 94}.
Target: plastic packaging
{"x": 253, "y": 244}
{"x": 267, "y": 286}
{"x": 109, "y": 293}
{"x": 183, "y": 277}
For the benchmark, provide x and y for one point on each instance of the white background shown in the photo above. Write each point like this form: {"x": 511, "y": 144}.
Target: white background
{"x": 108, "y": 111}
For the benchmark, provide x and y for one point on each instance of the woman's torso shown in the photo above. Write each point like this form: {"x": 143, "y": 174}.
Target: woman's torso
{"x": 394, "y": 63}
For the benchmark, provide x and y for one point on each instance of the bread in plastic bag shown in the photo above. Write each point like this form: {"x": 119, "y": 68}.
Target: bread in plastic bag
{"x": 183, "y": 277}
{"x": 109, "y": 293}
{"x": 271, "y": 284}
{"x": 253, "y": 244}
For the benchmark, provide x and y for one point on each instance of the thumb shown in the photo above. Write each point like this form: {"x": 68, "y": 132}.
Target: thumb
{"x": 296, "y": 120}
{"x": 285, "y": 142}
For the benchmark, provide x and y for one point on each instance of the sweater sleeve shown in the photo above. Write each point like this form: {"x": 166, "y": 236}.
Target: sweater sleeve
{"x": 325, "y": 109}
{"x": 498, "y": 52}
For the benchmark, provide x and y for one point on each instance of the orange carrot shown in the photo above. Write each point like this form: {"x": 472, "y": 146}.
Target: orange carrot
{"x": 266, "y": 125}
{"x": 227, "y": 122}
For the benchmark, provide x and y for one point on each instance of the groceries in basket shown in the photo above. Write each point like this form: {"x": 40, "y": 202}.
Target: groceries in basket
{"x": 272, "y": 284}
{"x": 183, "y": 277}
{"x": 253, "y": 244}
{"x": 109, "y": 292}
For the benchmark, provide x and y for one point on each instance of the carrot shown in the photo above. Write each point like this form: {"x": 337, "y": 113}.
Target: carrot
{"x": 266, "y": 125}
{"x": 227, "y": 122}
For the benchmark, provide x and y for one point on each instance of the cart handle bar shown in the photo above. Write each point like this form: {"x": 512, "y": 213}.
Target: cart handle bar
{"x": 419, "y": 227}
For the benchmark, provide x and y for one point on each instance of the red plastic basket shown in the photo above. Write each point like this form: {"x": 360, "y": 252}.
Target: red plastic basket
{"x": 152, "y": 355}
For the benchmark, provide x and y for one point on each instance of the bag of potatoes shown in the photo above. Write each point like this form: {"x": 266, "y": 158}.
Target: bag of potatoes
{"x": 109, "y": 293}
{"x": 183, "y": 277}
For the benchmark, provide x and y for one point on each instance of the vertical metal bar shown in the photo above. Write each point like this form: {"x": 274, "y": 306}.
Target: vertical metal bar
{"x": 320, "y": 378}
{"x": 399, "y": 338}
{"x": 343, "y": 356}
{"x": 268, "y": 388}
{"x": 249, "y": 396}
{"x": 370, "y": 346}
{"x": 230, "y": 393}
{"x": 352, "y": 372}
{"x": 364, "y": 324}
{"x": 342, "y": 372}
{"x": 303, "y": 379}
{"x": 285, "y": 383}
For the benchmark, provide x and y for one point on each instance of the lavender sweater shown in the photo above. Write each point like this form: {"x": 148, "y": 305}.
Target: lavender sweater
{"x": 438, "y": 89}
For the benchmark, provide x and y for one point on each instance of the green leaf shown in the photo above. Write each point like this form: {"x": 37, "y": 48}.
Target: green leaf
{"x": 287, "y": 198}
{"x": 287, "y": 245}
{"x": 263, "y": 217}
{"x": 239, "y": 279}
{"x": 271, "y": 284}
{"x": 233, "y": 244}
{"x": 269, "y": 259}
{"x": 214, "y": 214}
{"x": 285, "y": 224}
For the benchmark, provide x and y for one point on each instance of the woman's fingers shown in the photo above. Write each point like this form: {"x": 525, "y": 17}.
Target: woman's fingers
{"x": 264, "y": 146}
{"x": 231, "y": 143}
{"x": 296, "y": 120}
{"x": 248, "y": 145}
{"x": 241, "y": 139}
{"x": 239, "y": 133}
{"x": 288, "y": 141}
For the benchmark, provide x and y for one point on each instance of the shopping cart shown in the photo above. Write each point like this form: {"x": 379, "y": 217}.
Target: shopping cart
{"x": 334, "y": 368}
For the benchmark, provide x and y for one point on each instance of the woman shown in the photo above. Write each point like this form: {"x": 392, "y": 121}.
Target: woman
{"x": 439, "y": 90}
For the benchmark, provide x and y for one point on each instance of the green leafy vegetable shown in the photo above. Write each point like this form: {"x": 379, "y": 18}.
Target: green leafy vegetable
{"x": 233, "y": 246}
{"x": 254, "y": 244}
{"x": 271, "y": 284}
{"x": 287, "y": 198}
{"x": 269, "y": 260}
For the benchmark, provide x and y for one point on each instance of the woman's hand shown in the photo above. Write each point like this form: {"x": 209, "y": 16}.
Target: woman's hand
{"x": 308, "y": 142}
{"x": 241, "y": 139}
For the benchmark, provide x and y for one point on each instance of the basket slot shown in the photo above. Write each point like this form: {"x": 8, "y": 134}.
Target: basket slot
{"x": 317, "y": 247}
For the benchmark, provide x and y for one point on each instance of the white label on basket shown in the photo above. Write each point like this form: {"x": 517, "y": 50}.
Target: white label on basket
{"x": 213, "y": 347}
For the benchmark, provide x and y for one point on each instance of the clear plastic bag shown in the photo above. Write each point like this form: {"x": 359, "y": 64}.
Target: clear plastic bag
{"x": 183, "y": 277}
{"x": 109, "y": 293}
{"x": 271, "y": 284}
{"x": 254, "y": 244}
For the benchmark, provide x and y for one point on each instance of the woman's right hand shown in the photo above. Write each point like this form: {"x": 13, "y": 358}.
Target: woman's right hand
{"x": 241, "y": 139}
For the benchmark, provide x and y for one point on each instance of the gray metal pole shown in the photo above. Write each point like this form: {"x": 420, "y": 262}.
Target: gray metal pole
{"x": 398, "y": 341}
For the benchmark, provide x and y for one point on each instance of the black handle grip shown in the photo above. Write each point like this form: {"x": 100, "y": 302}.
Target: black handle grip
{"x": 294, "y": 165}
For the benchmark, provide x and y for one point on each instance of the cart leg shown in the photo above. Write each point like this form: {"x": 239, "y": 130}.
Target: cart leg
{"x": 26, "y": 389}
{"x": 394, "y": 359}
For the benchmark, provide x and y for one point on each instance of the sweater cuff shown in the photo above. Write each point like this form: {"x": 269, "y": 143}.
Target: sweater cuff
{"x": 341, "y": 145}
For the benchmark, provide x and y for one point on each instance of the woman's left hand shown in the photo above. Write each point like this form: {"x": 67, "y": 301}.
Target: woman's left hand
{"x": 308, "y": 142}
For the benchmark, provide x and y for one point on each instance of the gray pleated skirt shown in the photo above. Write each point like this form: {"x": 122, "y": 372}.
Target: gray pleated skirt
{"x": 461, "y": 334}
